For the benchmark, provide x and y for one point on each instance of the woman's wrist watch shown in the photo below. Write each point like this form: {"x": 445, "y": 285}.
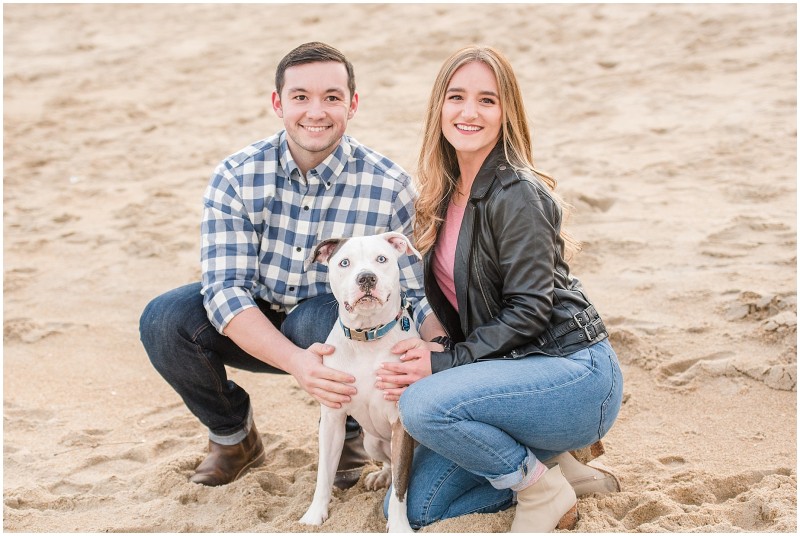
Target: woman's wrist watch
{"x": 445, "y": 341}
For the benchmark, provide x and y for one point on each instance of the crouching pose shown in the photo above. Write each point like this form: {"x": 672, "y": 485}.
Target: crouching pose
{"x": 525, "y": 373}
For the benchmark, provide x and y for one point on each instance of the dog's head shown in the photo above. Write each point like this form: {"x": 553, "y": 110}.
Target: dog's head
{"x": 363, "y": 272}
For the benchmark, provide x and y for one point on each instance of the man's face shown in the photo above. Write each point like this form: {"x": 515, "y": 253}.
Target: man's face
{"x": 315, "y": 106}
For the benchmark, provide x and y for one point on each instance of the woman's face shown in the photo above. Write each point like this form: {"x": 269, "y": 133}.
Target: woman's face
{"x": 471, "y": 114}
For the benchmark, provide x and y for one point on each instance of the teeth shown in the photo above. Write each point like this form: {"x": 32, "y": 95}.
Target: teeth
{"x": 316, "y": 129}
{"x": 468, "y": 127}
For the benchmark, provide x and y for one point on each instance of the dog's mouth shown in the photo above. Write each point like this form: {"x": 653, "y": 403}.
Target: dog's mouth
{"x": 368, "y": 300}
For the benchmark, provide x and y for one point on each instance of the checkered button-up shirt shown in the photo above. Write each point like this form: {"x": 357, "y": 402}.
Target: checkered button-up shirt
{"x": 262, "y": 219}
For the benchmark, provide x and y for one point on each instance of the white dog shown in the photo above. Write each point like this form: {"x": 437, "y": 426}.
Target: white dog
{"x": 365, "y": 279}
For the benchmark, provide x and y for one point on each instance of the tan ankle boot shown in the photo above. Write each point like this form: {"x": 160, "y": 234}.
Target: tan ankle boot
{"x": 585, "y": 478}
{"x": 548, "y": 504}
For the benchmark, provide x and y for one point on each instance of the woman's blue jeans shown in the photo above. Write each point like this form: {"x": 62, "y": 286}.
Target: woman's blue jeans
{"x": 482, "y": 426}
{"x": 191, "y": 355}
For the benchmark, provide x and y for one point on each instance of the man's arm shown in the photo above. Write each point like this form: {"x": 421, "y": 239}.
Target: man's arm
{"x": 229, "y": 254}
{"x": 256, "y": 335}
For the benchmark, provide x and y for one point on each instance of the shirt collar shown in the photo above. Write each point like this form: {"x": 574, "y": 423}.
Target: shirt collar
{"x": 327, "y": 170}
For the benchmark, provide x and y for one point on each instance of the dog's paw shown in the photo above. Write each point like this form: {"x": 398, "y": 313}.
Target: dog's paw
{"x": 378, "y": 479}
{"x": 314, "y": 516}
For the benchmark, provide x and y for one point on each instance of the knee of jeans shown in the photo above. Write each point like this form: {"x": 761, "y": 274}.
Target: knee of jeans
{"x": 160, "y": 326}
{"x": 149, "y": 323}
{"x": 419, "y": 412}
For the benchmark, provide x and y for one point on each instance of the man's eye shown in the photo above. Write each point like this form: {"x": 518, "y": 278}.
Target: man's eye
{"x": 344, "y": 263}
{"x": 381, "y": 259}
{"x": 300, "y": 97}
{"x": 332, "y": 98}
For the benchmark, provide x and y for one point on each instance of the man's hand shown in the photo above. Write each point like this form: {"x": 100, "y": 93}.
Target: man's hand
{"x": 328, "y": 386}
{"x": 415, "y": 364}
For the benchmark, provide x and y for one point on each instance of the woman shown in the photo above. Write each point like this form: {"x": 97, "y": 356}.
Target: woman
{"x": 524, "y": 372}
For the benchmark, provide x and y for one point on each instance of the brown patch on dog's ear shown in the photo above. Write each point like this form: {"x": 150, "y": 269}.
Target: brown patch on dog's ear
{"x": 324, "y": 251}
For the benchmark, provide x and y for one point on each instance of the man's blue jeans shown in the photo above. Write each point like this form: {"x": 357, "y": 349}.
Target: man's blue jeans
{"x": 482, "y": 426}
{"x": 191, "y": 355}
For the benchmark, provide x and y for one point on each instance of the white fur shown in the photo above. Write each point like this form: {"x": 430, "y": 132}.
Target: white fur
{"x": 376, "y": 255}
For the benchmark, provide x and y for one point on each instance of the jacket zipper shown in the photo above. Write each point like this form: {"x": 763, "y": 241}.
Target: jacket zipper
{"x": 475, "y": 268}
{"x": 483, "y": 292}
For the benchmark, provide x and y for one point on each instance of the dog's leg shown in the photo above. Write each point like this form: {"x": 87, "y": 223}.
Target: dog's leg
{"x": 402, "y": 456}
{"x": 331, "y": 442}
{"x": 379, "y": 450}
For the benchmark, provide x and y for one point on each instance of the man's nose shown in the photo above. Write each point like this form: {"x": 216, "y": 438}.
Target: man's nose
{"x": 315, "y": 110}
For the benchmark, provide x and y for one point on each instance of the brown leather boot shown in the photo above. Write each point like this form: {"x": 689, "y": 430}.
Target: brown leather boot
{"x": 352, "y": 462}
{"x": 226, "y": 463}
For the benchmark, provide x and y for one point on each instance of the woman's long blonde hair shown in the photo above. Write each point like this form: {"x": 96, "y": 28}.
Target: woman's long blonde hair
{"x": 437, "y": 168}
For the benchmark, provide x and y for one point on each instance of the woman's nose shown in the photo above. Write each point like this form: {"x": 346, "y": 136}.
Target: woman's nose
{"x": 469, "y": 110}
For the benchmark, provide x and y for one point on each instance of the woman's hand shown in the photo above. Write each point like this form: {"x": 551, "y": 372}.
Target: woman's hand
{"x": 415, "y": 364}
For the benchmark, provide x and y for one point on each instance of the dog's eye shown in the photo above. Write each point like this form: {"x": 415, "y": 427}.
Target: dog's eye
{"x": 344, "y": 263}
{"x": 381, "y": 259}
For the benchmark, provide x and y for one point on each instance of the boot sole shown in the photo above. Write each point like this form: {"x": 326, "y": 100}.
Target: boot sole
{"x": 569, "y": 520}
{"x": 587, "y": 454}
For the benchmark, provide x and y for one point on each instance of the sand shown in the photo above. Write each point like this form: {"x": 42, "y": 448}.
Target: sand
{"x": 671, "y": 130}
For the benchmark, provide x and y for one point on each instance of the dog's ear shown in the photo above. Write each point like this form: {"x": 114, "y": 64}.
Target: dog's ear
{"x": 324, "y": 251}
{"x": 401, "y": 243}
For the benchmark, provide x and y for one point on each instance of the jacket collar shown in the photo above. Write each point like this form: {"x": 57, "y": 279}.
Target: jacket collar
{"x": 495, "y": 162}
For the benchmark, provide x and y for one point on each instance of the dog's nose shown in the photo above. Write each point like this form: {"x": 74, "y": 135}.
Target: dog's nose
{"x": 366, "y": 280}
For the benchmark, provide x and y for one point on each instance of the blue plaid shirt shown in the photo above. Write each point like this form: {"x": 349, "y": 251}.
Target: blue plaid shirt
{"x": 262, "y": 219}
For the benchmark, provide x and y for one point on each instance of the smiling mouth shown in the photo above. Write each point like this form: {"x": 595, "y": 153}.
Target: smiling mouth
{"x": 468, "y": 128}
{"x": 315, "y": 129}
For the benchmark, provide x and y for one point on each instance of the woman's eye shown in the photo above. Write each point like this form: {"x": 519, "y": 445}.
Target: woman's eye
{"x": 382, "y": 259}
{"x": 344, "y": 263}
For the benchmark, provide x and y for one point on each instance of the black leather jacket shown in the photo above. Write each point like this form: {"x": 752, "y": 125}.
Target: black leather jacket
{"x": 512, "y": 282}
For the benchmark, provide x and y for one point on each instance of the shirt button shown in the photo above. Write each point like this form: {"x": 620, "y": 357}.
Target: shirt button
{"x": 305, "y": 207}
{"x": 298, "y": 248}
{"x": 291, "y": 289}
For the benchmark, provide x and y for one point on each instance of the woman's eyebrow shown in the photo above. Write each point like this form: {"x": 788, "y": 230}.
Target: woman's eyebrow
{"x": 461, "y": 90}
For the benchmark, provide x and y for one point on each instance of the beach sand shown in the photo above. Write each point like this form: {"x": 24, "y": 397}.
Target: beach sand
{"x": 672, "y": 132}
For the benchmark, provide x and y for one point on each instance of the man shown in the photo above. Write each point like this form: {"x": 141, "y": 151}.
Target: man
{"x": 257, "y": 308}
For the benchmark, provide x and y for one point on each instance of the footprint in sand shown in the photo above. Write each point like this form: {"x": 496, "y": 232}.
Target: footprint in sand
{"x": 30, "y": 331}
{"x": 18, "y": 278}
{"x": 744, "y": 235}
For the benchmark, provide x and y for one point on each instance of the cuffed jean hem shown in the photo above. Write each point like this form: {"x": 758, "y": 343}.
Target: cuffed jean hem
{"x": 519, "y": 479}
{"x": 238, "y": 437}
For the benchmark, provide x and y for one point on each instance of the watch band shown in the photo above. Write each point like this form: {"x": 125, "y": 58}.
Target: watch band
{"x": 445, "y": 341}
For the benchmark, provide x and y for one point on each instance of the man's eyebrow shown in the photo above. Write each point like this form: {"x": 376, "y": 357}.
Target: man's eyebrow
{"x": 328, "y": 91}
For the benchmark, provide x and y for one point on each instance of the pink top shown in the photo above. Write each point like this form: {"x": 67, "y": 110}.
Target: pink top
{"x": 445, "y": 254}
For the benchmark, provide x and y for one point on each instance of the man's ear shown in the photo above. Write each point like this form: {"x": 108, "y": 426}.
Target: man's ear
{"x": 276, "y": 104}
{"x": 353, "y": 106}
